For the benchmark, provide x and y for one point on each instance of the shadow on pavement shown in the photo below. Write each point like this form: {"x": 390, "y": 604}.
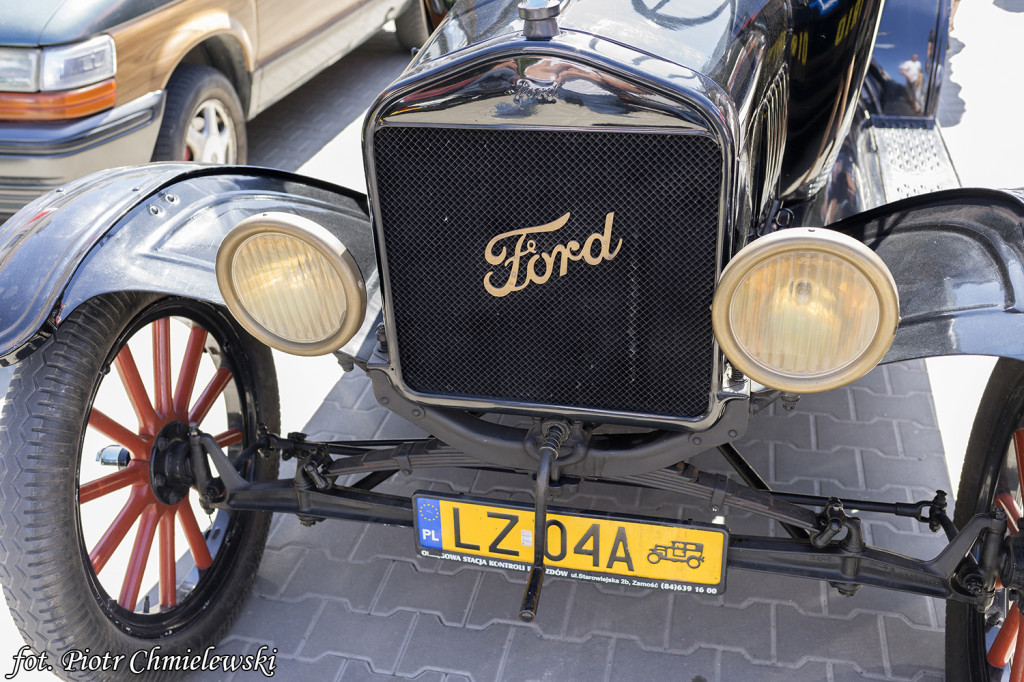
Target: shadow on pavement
{"x": 290, "y": 132}
{"x": 1010, "y": 5}
{"x": 951, "y": 103}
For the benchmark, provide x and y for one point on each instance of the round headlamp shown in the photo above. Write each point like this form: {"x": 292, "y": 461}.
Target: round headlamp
{"x": 805, "y": 310}
{"x": 291, "y": 283}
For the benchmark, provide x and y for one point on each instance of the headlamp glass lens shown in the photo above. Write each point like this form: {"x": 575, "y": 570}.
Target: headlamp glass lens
{"x": 804, "y": 313}
{"x": 67, "y": 67}
{"x": 289, "y": 287}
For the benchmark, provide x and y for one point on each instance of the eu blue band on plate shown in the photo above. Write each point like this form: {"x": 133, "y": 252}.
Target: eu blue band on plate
{"x": 429, "y": 517}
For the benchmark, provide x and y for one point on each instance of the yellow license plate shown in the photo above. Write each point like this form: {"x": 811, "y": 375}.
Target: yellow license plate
{"x": 685, "y": 557}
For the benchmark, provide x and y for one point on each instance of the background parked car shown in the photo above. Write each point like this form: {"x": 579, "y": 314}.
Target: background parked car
{"x": 86, "y": 85}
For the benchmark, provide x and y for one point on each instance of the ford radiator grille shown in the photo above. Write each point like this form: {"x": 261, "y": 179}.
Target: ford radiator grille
{"x": 603, "y": 303}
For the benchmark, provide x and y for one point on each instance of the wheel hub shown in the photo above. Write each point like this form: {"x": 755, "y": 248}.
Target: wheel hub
{"x": 170, "y": 464}
{"x": 1011, "y": 572}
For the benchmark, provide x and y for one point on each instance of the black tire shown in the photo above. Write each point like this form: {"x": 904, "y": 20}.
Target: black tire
{"x": 204, "y": 95}
{"x": 57, "y": 599}
{"x": 990, "y": 469}
{"x": 412, "y": 27}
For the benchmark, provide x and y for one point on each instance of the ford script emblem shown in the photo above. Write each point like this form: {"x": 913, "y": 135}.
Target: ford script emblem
{"x": 525, "y": 265}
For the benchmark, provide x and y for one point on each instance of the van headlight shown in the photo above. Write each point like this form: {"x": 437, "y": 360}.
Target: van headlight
{"x": 291, "y": 283}
{"x": 58, "y": 82}
{"x": 805, "y": 310}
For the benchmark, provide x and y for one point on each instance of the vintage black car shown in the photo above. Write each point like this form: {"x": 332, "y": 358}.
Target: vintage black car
{"x": 598, "y": 237}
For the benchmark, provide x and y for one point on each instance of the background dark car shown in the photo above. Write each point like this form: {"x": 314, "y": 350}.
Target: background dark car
{"x": 90, "y": 84}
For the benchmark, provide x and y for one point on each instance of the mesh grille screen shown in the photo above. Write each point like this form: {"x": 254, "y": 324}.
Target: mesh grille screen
{"x": 632, "y": 333}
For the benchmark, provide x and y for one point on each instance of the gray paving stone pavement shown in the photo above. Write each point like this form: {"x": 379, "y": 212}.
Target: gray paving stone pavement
{"x": 344, "y": 601}
{"x": 292, "y": 131}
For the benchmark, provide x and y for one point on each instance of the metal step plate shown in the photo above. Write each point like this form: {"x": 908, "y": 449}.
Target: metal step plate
{"x": 912, "y": 157}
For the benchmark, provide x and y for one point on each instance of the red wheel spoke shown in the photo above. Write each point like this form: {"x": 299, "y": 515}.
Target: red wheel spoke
{"x": 189, "y": 370}
{"x": 1013, "y": 513}
{"x": 140, "y": 554}
{"x": 168, "y": 572}
{"x": 110, "y": 541}
{"x": 133, "y": 386}
{"x": 162, "y": 367}
{"x": 118, "y": 433}
{"x": 134, "y": 473}
{"x": 196, "y": 540}
{"x": 1017, "y": 667}
{"x": 229, "y": 437}
{"x": 1006, "y": 640}
{"x": 213, "y": 390}
{"x": 1010, "y": 638}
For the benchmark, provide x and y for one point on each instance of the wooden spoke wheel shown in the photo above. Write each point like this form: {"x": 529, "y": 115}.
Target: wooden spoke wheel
{"x": 95, "y": 433}
{"x": 990, "y": 646}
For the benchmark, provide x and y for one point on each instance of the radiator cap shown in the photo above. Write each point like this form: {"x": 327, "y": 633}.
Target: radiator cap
{"x": 541, "y": 17}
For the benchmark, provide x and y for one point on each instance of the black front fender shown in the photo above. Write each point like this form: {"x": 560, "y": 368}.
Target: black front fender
{"x": 958, "y": 260}
{"x": 149, "y": 228}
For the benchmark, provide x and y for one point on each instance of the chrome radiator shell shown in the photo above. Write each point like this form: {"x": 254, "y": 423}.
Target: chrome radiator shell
{"x": 516, "y": 95}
